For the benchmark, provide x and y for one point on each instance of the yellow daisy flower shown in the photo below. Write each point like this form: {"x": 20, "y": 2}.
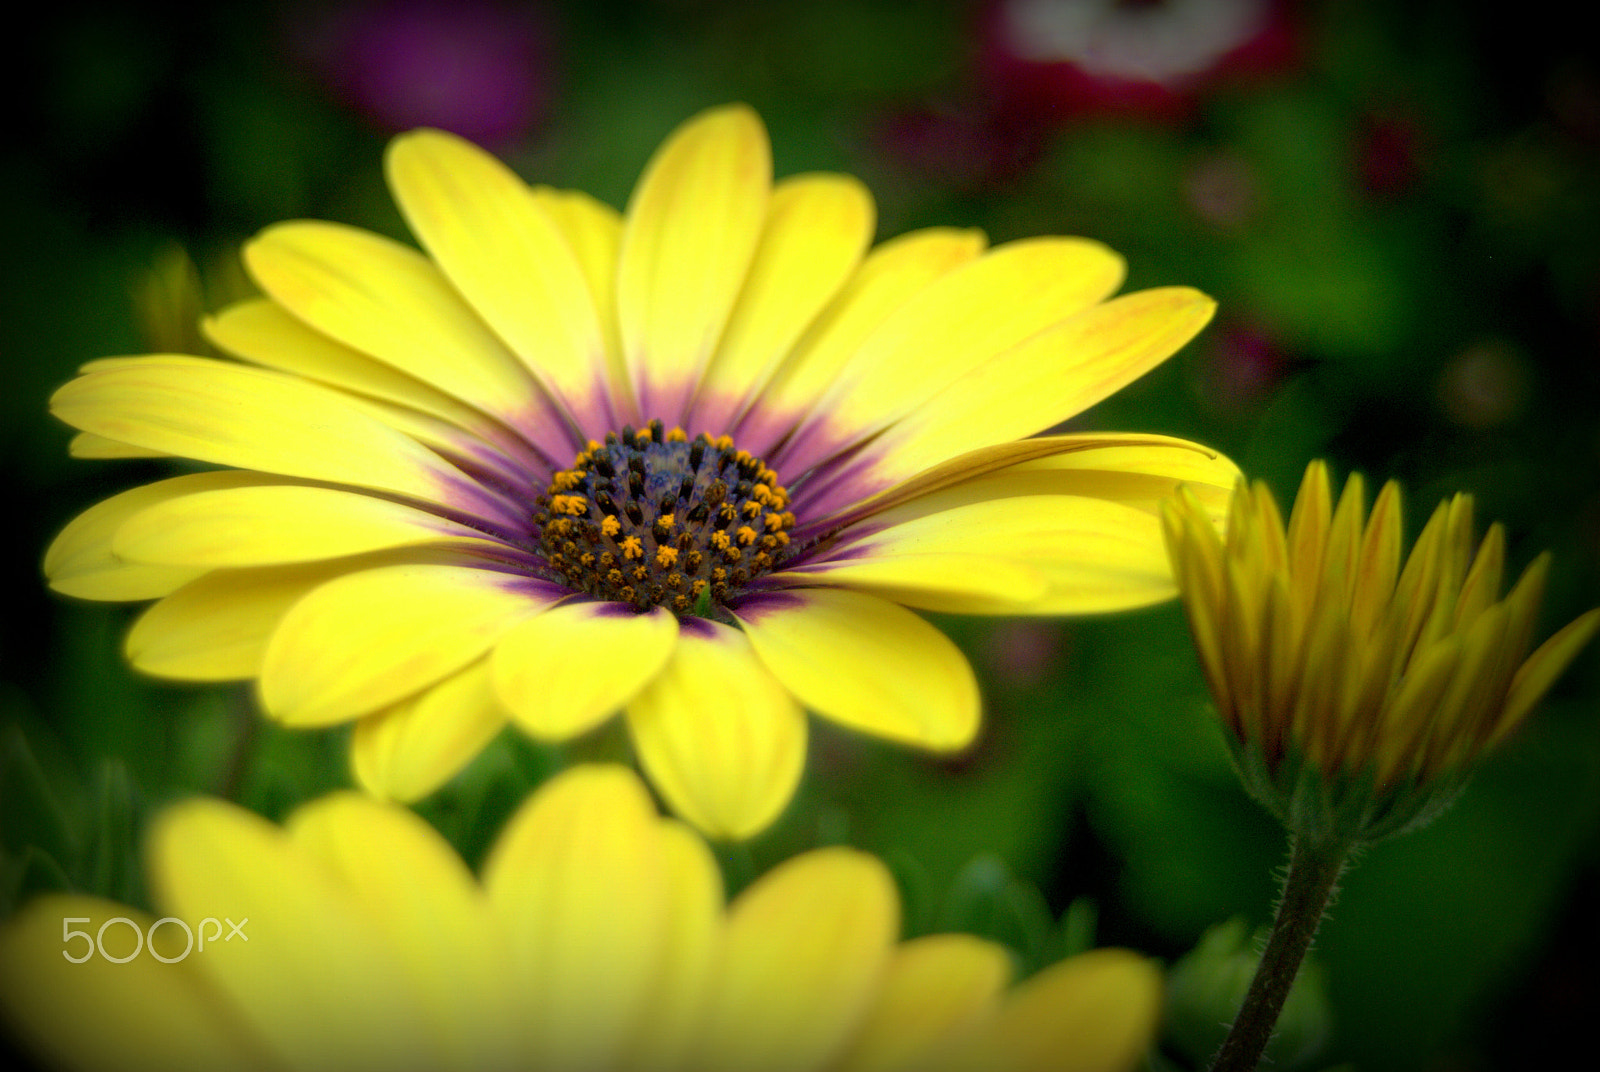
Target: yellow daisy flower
{"x": 1359, "y": 689}
{"x": 354, "y": 938}
{"x": 694, "y": 463}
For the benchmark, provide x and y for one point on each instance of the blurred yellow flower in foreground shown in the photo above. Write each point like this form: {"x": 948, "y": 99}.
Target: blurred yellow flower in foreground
{"x": 1358, "y": 690}
{"x": 597, "y": 939}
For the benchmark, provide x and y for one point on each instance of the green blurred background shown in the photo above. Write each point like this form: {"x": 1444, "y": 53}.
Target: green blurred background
{"x": 1397, "y": 206}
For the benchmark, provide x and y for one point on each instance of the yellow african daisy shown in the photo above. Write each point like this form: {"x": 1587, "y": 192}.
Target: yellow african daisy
{"x": 354, "y": 938}
{"x": 1358, "y": 685}
{"x": 693, "y": 463}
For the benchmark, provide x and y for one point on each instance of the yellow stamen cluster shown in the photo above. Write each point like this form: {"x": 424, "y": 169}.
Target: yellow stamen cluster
{"x": 651, "y": 518}
{"x": 1320, "y": 645}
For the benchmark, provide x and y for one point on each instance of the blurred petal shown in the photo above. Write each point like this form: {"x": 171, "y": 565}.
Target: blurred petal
{"x": 411, "y": 885}
{"x": 407, "y": 751}
{"x": 564, "y": 671}
{"x": 937, "y": 989}
{"x": 806, "y": 949}
{"x": 577, "y": 880}
{"x": 720, "y": 737}
{"x": 867, "y": 664}
{"x": 306, "y": 943}
{"x": 693, "y": 887}
{"x": 1095, "y": 1012}
{"x": 140, "y": 1015}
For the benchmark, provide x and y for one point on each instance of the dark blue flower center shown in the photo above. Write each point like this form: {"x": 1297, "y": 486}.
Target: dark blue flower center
{"x": 655, "y": 519}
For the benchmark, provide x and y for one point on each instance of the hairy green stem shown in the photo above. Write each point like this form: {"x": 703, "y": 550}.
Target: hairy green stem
{"x": 1314, "y": 870}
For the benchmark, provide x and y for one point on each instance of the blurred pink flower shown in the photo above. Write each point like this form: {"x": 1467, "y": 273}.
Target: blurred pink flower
{"x": 476, "y": 68}
{"x": 1061, "y": 58}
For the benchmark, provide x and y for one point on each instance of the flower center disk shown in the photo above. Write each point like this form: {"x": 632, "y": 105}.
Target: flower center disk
{"x": 654, "y": 519}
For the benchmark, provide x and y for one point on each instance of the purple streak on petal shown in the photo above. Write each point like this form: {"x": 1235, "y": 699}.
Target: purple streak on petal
{"x": 763, "y": 432}
{"x": 462, "y": 494}
{"x": 835, "y": 487}
{"x": 699, "y": 628}
{"x": 759, "y": 604}
{"x": 595, "y": 414}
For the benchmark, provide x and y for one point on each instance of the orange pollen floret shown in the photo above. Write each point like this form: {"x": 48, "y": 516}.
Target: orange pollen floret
{"x": 723, "y": 442}
{"x": 677, "y": 435}
{"x": 752, "y": 509}
{"x": 666, "y": 556}
{"x": 746, "y": 535}
{"x": 610, "y": 526}
{"x": 632, "y": 547}
{"x": 774, "y": 522}
{"x": 576, "y": 505}
{"x": 719, "y": 540}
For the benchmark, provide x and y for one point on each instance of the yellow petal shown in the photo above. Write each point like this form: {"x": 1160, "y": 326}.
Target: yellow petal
{"x": 408, "y": 750}
{"x": 719, "y": 736}
{"x": 870, "y": 665}
{"x": 80, "y": 562}
{"x": 888, "y": 278}
{"x": 216, "y": 628}
{"x": 806, "y": 949}
{"x": 277, "y": 525}
{"x": 262, "y": 332}
{"x": 692, "y": 227}
{"x": 1141, "y": 471}
{"x": 141, "y": 1015}
{"x": 89, "y": 445}
{"x": 368, "y": 639}
{"x": 414, "y": 889}
{"x": 309, "y": 968}
{"x": 594, "y": 231}
{"x": 576, "y": 879}
{"x": 693, "y": 888}
{"x": 389, "y": 302}
{"x": 228, "y": 414}
{"x": 506, "y": 256}
{"x": 817, "y": 228}
{"x": 563, "y": 672}
{"x": 937, "y": 580}
{"x": 965, "y": 320}
{"x": 1534, "y": 678}
{"x": 1096, "y": 555}
{"x": 1004, "y": 459}
{"x": 937, "y": 989}
{"x": 1046, "y": 378}
{"x": 1095, "y": 1012}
